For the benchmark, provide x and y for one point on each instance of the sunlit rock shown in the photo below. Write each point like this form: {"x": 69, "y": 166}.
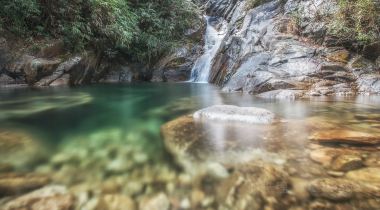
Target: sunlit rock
{"x": 346, "y": 136}
{"x": 369, "y": 175}
{"x": 228, "y": 113}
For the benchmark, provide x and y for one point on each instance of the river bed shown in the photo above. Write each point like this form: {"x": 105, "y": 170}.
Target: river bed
{"x": 105, "y": 140}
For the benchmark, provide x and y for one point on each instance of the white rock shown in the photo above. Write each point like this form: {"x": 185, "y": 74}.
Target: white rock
{"x": 229, "y": 113}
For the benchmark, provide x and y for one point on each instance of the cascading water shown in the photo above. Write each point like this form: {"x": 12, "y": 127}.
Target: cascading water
{"x": 213, "y": 39}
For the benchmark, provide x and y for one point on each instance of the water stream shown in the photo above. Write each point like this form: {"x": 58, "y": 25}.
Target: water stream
{"x": 215, "y": 33}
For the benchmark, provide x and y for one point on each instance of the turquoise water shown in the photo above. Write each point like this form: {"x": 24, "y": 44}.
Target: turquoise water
{"x": 55, "y": 114}
{"x": 111, "y": 133}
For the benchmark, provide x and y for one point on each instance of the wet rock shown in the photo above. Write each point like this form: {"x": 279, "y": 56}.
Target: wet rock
{"x": 322, "y": 156}
{"x": 228, "y": 113}
{"x": 299, "y": 188}
{"x": 282, "y": 94}
{"x": 347, "y": 162}
{"x": 13, "y": 184}
{"x": 48, "y": 198}
{"x": 369, "y": 175}
{"x": 251, "y": 186}
{"x": 345, "y": 136}
{"x": 333, "y": 189}
{"x": 115, "y": 202}
{"x": 157, "y": 202}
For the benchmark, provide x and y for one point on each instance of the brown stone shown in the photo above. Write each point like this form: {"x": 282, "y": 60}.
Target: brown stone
{"x": 48, "y": 198}
{"x": 322, "y": 156}
{"x": 115, "y": 202}
{"x": 12, "y": 184}
{"x": 345, "y": 136}
{"x": 347, "y": 162}
{"x": 252, "y": 185}
{"x": 157, "y": 202}
{"x": 370, "y": 175}
{"x": 332, "y": 189}
{"x": 339, "y": 56}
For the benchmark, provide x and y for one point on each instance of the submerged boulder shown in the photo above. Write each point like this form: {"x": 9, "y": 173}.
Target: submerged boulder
{"x": 228, "y": 113}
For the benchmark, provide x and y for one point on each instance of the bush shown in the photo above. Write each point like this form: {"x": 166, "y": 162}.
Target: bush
{"x": 142, "y": 30}
{"x": 356, "y": 21}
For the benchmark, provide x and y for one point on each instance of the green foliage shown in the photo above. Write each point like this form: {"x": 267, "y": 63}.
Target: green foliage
{"x": 142, "y": 29}
{"x": 356, "y": 20}
{"x": 21, "y": 15}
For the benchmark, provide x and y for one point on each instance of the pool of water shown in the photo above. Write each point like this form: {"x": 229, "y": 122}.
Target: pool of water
{"x": 107, "y": 137}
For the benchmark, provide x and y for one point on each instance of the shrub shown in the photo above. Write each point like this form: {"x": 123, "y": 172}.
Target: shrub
{"x": 356, "y": 21}
{"x": 142, "y": 30}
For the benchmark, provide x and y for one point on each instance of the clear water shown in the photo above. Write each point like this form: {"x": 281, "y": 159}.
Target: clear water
{"x": 114, "y": 130}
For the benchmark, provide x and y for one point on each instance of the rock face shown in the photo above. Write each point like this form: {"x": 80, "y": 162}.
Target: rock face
{"x": 53, "y": 66}
{"x": 265, "y": 50}
{"x": 228, "y": 113}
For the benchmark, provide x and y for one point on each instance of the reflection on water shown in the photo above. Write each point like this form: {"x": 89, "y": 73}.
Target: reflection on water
{"x": 105, "y": 140}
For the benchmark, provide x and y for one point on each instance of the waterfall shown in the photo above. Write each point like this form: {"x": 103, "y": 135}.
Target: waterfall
{"x": 213, "y": 39}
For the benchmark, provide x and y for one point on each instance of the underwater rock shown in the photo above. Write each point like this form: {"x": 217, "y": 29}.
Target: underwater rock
{"x": 254, "y": 186}
{"x": 13, "y": 184}
{"x": 333, "y": 189}
{"x": 323, "y": 156}
{"x": 345, "y": 136}
{"x": 157, "y": 202}
{"x": 347, "y": 162}
{"x": 370, "y": 175}
{"x": 47, "y": 198}
{"x": 228, "y": 113}
{"x": 19, "y": 149}
{"x": 115, "y": 202}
